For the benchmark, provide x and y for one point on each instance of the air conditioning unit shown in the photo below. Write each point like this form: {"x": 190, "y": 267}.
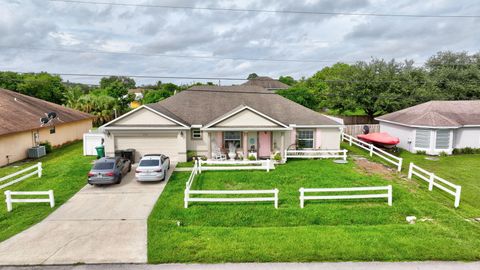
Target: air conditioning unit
{"x": 36, "y": 152}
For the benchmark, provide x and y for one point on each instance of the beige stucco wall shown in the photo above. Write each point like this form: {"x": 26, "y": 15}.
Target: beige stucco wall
{"x": 329, "y": 138}
{"x": 16, "y": 145}
{"x": 246, "y": 118}
{"x": 198, "y": 145}
{"x": 144, "y": 117}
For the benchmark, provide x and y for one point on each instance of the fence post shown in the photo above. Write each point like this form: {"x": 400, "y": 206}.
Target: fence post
{"x": 350, "y": 140}
{"x": 276, "y": 198}
{"x": 457, "y": 196}
{"x": 371, "y": 150}
{"x": 198, "y": 164}
{"x": 268, "y": 165}
{"x": 302, "y": 199}
{"x": 410, "y": 169}
{"x": 39, "y": 169}
{"x": 400, "y": 164}
{"x": 390, "y": 199}
{"x": 185, "y": 200}
{"x": 430, "y": 184}
{"x": 285, "y": 155}
{"x": 51, "y": 198}
{"x": 8, "y": 200}
{"x": 344, "y": 154}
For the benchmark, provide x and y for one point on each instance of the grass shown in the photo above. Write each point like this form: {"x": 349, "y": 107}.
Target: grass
{"x": 64, "y": 171}
{"x": 458, "y": 169}
{"x": 323, "y": 231}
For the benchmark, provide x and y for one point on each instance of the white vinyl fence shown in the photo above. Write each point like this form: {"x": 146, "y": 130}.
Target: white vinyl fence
{"x": 32, "y": 170}
{"x": 436, "y": 181}
{"x": 197, "y": 170}
{"x": 230, "y": 165}
{"x": 10, "y": 200}
{"x": 374, "y": 150}
{"x": 304, "y": 198}
{"x": 316, "y": 154}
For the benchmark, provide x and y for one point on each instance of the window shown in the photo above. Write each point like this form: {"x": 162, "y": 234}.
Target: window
{"x": 196, "y": 133}
{"x": 305, "y": 139}
{"x": 103, "y": 166}
{"x": 52, "y": 130}
{"x": 234, "y": 137}
{"x": 443, "y": 139}
{"x": 149, "y": 163}
{"x": 422, "y": 138}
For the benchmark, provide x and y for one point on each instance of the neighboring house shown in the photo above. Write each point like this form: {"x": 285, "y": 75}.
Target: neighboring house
{"x": 20, "y": 126}
{"x": 435, "y": 126}
{"x": 138, "y": 92}
{"x": 206, "y": 118}
{"x": 267, "y": 83}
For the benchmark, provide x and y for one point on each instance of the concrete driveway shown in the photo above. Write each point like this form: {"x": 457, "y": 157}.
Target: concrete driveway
{"x": 97, "y": 225}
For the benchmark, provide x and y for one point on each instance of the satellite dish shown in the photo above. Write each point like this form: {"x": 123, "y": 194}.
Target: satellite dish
{"x": 44, "y": 120}
{"x": 366, "y": 129}
{"x": 52, "y": 115}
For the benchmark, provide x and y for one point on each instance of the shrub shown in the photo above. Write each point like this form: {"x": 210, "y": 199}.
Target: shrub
{"x": 47, "y": 145}
{"x": 191, "y": 155}
{"x": 421, "y": 152}
{"x": 251, "y": 157}
{"x": 466, "y": 151}
{"x": 277, "y": 157}
{"x": 443, "y": 154}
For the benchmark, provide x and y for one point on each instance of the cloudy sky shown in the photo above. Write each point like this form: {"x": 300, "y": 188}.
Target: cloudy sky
{"x": 59, "y": 37}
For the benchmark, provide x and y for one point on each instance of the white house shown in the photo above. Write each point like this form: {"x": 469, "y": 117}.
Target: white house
{"x": 435, "y": 126}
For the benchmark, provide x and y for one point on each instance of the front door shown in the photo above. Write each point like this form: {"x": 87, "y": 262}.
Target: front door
{"x": 264, "y": 143}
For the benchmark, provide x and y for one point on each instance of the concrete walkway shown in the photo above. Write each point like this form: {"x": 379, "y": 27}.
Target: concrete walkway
{"x": 271, "y": 266}
{"x": 97, "y": 225}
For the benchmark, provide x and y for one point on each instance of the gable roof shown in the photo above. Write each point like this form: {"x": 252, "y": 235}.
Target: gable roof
{"x": 437, "y": 114}
{"x": 200, "y": 105}
{"x": 243, "y": 108}
{"x": 22, "y": 113}
{"x": 267, "y": 83}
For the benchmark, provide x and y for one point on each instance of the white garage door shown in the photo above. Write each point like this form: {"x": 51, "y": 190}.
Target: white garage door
{"x": 166, "y": 144}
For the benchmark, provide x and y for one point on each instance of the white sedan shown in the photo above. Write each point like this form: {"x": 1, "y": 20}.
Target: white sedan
{"x": 152, "y": 167}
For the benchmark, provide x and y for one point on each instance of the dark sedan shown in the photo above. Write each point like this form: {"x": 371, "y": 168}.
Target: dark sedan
{"x": 109, "y": 171}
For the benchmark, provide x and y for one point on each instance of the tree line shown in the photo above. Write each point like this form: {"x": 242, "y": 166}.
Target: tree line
{"x": 379, "y": 86}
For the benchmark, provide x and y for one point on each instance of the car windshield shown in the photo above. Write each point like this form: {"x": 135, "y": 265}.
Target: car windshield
{"x": 103, "y": 166}
{"x": 149, "y": 162}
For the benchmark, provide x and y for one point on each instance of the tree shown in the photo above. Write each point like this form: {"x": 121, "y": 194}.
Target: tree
{"x": 301, "y": 95}
{"x": 153, "y": 96}
{"x": 42, "y": 85}
{"x": 287, "y": 80}
{"x": 101, "y": 106}
{"x": 252, "y": 76}
{"x": 71, "y": 96}
{"x": 10, "y": 80}
{"x": 128, "y": 83}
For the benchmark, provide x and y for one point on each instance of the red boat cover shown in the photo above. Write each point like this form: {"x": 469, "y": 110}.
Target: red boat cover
{"x": 379, "y": 138}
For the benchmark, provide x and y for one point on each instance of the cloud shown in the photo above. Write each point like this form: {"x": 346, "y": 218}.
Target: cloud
{"x": 28, "y": 24}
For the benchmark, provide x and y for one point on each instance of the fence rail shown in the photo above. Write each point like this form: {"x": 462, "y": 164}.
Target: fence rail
{"x": 37, "y": 169}
{"x": 304, "y": 198}
{"x": 316, "y": 154}
{"x": 354, "y": 130}
{"x": 372, "y": 149}
{"x": 10, "y": 200}
{"x": 229, "y": 165}
{"x": 435, "y": 181}
{"x": 197, "y": 169}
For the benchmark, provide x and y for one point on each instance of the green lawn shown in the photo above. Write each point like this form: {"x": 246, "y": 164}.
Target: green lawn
{"x": 458, "y": 169}
{"x": 64, "y": 171}
{"x": 323, "y": 231}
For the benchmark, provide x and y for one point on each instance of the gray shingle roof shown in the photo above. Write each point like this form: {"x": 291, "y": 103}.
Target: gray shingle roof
{"x": 21, "y": 113}
{"x": 200, "y": 105}
{"x": 438, "y": 114}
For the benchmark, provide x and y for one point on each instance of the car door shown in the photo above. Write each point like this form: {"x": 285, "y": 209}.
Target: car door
{"x": 120, "y": 166}
{"x": 164, "y": 163}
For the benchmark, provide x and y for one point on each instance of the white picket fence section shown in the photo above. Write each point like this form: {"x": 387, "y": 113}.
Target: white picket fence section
{"x": 304, "y": 198}
{"x": 35, "y": 170}
{"x": 316, "y": 154}
{"x": 374, "y": 150}
{"x": 231, "y": 165}
{"x": 436, "y": 181}
{"x": 9, "y": 200}
{"x": 197, "y": 170}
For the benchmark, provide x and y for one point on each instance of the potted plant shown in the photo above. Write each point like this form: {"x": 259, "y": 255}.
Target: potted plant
{"x": 232, "y": 151}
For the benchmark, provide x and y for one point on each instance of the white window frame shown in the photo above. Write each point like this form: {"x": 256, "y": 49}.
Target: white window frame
{"x": 313, "y": 138}
{"x": 239, "y": 140}
{"x": 432, "y": 147}
{"x": 200, "y": 133}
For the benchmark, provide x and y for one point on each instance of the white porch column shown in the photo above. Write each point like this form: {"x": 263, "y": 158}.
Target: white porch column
{"x": 245, "y": 145}
{"x": 209, "y": 155}
{"x": 282, "y": 143}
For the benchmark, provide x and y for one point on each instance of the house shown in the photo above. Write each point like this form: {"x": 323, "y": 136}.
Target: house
{"x": 20, "y": 126}
{"x": 267, "y": 83}
{"x": 435, "y": 126}
{"x": 139, "y": 93}
{"x": 206, "y": 118}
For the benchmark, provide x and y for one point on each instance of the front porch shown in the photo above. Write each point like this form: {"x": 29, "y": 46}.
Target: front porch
{"x": 247, "y": 144}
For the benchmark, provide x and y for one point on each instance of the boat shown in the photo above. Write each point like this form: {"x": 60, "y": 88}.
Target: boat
{"x": 382, "y": 139}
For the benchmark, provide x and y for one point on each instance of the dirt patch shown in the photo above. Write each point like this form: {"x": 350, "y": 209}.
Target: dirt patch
{"x": 369, "y": 167}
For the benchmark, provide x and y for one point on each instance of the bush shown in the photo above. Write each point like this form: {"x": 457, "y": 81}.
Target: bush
{"x": 421, "y": 152}
{"x": 251, "y": 157}
{"x": 47, "y": 145}
{"x": 466, "y": 151}
{"x": 191, "y": 155}
{"x": 443, "y": 154}
{"x": 277, "y": 157}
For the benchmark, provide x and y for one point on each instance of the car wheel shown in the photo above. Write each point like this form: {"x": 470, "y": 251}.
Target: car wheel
{"x": 119, "y": 179}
